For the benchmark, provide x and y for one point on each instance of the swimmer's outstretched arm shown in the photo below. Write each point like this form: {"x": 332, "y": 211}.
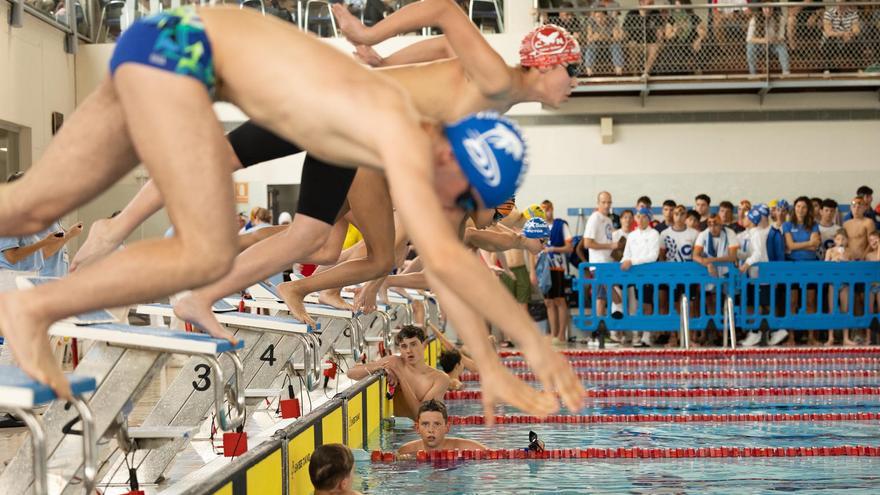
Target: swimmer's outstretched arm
{"x": 415, "y": 280}
{"x": 481, "y": 62}
{"x": 498, "y": 385}
{"x": 428, "y": 50}
{"x": 494, "y": 240}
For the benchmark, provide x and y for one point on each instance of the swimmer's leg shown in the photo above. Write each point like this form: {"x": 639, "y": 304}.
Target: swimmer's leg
{"x": 304, "y": 236}
{"x": 371, "y": 207}
{"x": 172, "y": 125}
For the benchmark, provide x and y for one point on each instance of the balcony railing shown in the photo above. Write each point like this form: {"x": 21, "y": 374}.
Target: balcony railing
{"x": 726, "y": 45}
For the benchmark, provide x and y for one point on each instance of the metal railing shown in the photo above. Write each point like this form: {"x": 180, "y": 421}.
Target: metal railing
{"x": 768, "y": 40}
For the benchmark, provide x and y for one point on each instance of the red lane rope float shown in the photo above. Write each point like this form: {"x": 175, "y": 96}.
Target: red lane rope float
{"x": 744, "y": 362}
{"x": 631, "y": 453}
{"x": 699, "y": 375}
{"x": 703, "y": 353}
{"x": 666, "y": 418}
{"x": 699, "y": 392}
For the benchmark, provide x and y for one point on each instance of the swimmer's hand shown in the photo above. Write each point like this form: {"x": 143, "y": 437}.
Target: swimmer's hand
{"x": 555, "y": 374}
{"x": 499, "y": 386}
{"x": 350, "y": 26}
{"x": 368, "y": 56}
{"x": 100, "y": 242}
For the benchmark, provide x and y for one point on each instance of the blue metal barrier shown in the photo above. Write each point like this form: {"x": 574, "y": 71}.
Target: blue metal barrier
{"x": 672, "y": 279}
{"x": 766, "y": 300}
{"x": 773, "y": 286}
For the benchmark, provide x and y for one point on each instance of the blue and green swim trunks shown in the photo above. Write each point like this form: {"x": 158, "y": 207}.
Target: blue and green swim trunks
{"x": 174, "y": 40}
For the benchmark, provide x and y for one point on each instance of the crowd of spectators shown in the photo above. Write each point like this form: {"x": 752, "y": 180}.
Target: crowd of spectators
{"x": 740, "y": 36}
{"x": 808, "y": 229}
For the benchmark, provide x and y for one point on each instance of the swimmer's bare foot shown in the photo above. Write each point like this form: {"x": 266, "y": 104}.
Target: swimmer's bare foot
{"x": 365, "y": 298}
{"x": 27, "y": 335}
{"x": 829, "y": 343}
{"x": 350, "y": 26}
{"x": 100, "y": 242}
{"x": 294, "y": 300}
{"x": 331, "y": 297}
{"x": 192, "y": 310}
{"x": 850, "y": 343}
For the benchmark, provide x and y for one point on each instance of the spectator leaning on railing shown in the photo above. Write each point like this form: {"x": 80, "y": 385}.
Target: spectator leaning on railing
{"x": 644, "y": 30}
{"x": 684, "y": 35}
{"x": 603, "y": 34}
{"x": 840, "y": 28}
{"x": 767, "y": 32}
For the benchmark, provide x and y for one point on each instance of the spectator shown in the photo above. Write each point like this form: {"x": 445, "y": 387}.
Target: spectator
{"x": 242, "y": 221}
{"x": 573, "y": 23}
{"x": 767, "y": 32}
{"x": 840, "y": 252}
{"x": 801, "y": 241}
{"x": 668, "y": 208}
{"x": 725, "y": 211}
{"x": 702, "y": 204}
{"x": 599, "y": 241}
{"x": 693, "y": 220}
{"x": 804, "y": 25}
{"x": 776, "y": 250}
{"x": 727, "y": 22}
{"x": 642, "y": 246}
{"x": 867, "y": 195}
{"x": 644, "y": 30}
{"x": 558, "y": 249}
{"x": 27, "y": 255}
{"x": 858, "y": 227}
{"x": 260, "y": 219}
{"x": 827, "y": 226}
{"x": 677, "y": 245}
{"x": 874, "y": 255}
{"x": 840, "y": 28}
{"x": 603, "y": 36}
{"x": 758, "y": 231}
{"x": 816, "y": 203}
{"x": 716, "y": 244}
{"x": 684, "y": 35}
{"x": 627, "y": 220}
{"x": 745, "y": 206}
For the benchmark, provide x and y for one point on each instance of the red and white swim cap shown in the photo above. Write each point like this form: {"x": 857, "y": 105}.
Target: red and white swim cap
{"x": 548, "y": 45}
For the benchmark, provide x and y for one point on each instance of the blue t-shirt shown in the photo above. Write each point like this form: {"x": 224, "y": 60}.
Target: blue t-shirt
{"x": 799, "y": 233}
{"x": 30, "y": 264}
{"x": 775, "y": 245}
{"x": 57, "y": 264}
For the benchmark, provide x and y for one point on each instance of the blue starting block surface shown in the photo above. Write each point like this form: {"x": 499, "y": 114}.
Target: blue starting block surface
{"x": 143, "y": 337}
{"x": 222, "y": 306}
{"x": 90, "y": 318}
{"x": 19, "y": 390}
{"x": 235, "y": 318}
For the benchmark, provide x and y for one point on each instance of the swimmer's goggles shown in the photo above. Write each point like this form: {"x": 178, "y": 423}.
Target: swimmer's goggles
{"x": 572, "y": 70}
{"x": 467, "y": 202}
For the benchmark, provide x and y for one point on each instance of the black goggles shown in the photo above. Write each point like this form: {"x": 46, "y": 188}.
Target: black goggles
{"x": 466, "y": 201}
{"x": 572, "y": 70}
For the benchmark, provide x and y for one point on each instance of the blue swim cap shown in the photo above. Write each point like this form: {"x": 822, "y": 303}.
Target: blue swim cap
{"x": 764, "y": 209}
{"x": 754, "y": 215}
{"x": 536, "y": 228}
{"x": 644, "y": 211}
{"x": 491, "y": 152}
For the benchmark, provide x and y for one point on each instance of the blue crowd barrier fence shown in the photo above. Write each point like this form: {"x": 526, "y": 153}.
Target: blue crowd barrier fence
{"x": 791, "y": 295}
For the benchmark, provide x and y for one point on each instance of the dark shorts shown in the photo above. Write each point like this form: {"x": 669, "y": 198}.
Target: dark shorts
{"x": 646, "y": 294}
{"x": 323, "y": 187}
{"x": 680, "y": 291}
{"x": 174, "y": 41}
{"x": 557, "y": 285}
{"x": 763, "y": 295}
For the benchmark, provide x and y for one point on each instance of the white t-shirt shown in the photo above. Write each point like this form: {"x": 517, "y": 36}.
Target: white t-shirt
{"x": 599, "y": 229}
{"x": 679, "y": 244}
{"x": 827, "y": 236}
{"x": 722, "y": 243}
{"x": 642, "y": 246}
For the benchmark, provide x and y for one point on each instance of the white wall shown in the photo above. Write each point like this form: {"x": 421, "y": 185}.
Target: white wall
{"x": 36, "y": 77}
{"x": 756, "y": 160}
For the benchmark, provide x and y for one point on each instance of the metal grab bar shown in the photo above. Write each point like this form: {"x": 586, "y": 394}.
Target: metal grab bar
{"x": 684, "y": 329}
{"x": 222, "y": 391}
{"x": 38, "y": 444}
{"x": 89, "y": 443}
{"x": 731, "y": 323}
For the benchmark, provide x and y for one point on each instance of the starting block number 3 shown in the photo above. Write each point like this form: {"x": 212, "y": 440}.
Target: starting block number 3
{"x": 203, "y": 371}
